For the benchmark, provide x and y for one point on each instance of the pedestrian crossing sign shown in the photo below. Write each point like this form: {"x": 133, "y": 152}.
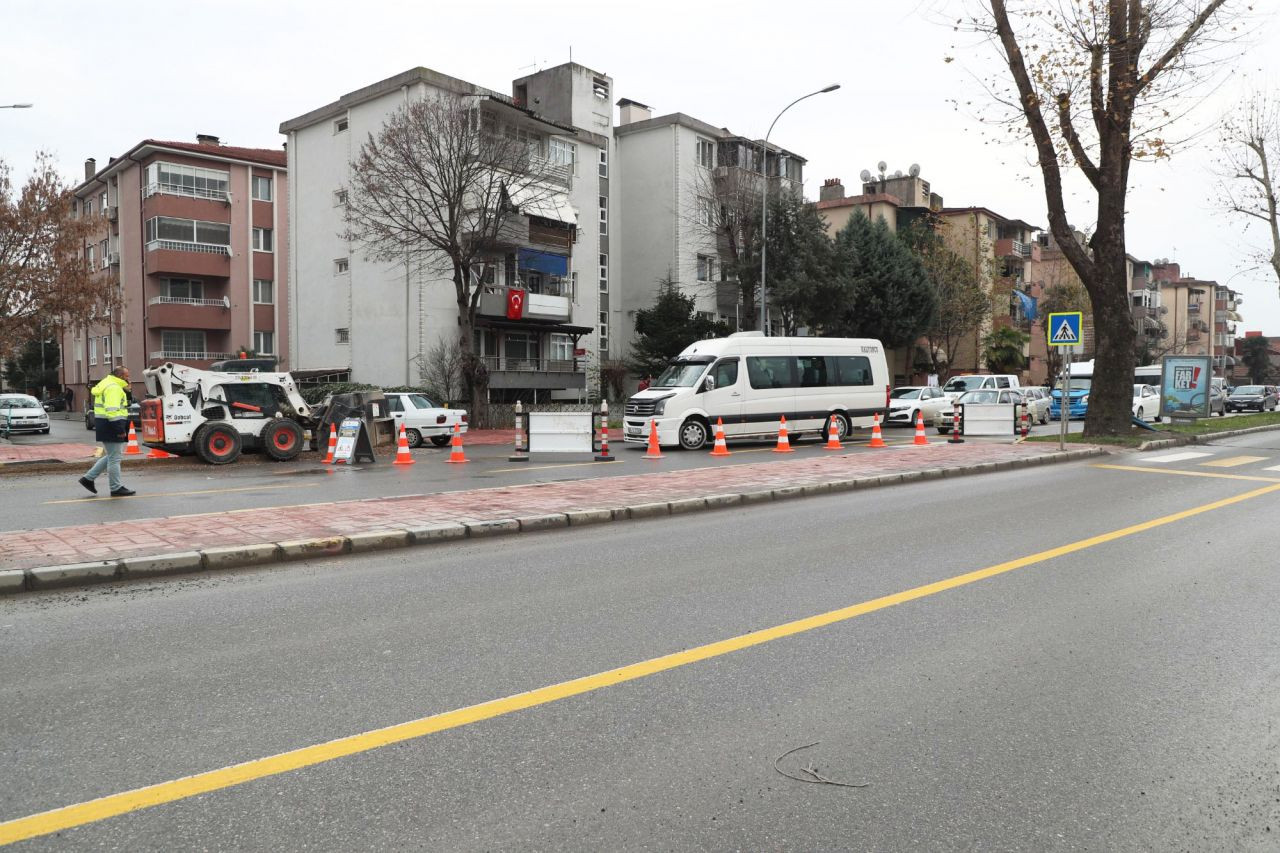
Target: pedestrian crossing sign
{"x": 1064, "y": 329}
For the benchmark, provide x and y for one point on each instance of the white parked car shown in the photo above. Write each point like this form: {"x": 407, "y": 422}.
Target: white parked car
{"x": 982, "y": 397}
{"x": 423, "y": 419}
{"x": 1146, "y": 402}
{"x": 1037, "y": 400}
{"x": 905, "y": 402}
{"x": 22, "y": 413}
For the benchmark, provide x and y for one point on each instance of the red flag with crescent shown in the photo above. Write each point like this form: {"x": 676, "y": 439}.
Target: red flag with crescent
{"x": 515, "y": 304}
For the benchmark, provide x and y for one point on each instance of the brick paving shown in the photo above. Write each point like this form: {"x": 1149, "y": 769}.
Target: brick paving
{"x": 41, "y": 452}
{"x": 145, "y": 537}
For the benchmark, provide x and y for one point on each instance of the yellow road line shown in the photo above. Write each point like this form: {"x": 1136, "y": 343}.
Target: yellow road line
{"x": 1245, "y": 477}
{"x": 67, "y": 817}
{"x": 183, "y": 494}
{"x": 1233, "y": 461}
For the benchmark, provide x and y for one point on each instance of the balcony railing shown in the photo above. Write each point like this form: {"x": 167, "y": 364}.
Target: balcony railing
{"x": 183, "y": 246}
{"x": 558, "y": 172}
{"x": 182, "y": 300}
{"x": 530, "y": 365}
{"x": 179, "y": 189}
{"x": 183, "y": 355}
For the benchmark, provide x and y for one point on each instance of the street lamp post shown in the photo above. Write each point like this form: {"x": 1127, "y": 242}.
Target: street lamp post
{"x": 16, "y": 106}
{"x": 764, "y": 202}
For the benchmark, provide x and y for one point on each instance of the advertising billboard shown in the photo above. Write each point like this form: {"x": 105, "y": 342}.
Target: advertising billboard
{"x": 1185, "y": 383}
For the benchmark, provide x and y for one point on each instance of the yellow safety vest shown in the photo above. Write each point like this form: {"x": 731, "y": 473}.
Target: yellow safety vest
{"x": 110, "y": 399}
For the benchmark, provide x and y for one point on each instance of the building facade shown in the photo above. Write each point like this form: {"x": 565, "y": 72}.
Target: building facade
{"x": 193, "y": 236}
{"x": 380, "y": 321}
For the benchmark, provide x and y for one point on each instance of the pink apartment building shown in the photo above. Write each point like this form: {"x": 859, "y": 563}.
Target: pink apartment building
{"x": 195, "y": 237}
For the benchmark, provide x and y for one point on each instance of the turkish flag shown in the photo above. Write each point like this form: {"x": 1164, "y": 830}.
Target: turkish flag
{"x": 515, "y": 304}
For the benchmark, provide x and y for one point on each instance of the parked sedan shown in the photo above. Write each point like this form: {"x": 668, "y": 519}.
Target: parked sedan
{"x": 135, "y": 413}
{"x": 423, "y": 419}
{"x": 1146, "y": 402}
{"x": 1258, "y": 398}
{"x": 909, "y": 400}
{"x": 1037, "y": 400}
{"x": 982, "y": 397}
{"x": 22, "y": 413}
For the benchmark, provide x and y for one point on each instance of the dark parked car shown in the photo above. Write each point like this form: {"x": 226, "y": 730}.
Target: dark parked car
{"x": 1260, "y": 398}
{"x": 135, "y": 413}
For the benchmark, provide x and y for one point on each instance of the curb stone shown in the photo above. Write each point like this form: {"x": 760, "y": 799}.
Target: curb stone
{"x": 239, "y": 556}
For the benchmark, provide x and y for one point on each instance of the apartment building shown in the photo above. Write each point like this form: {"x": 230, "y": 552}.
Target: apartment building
{"x": 192, "y": 234}
{"x": 676, "y": 175}
{"x": 1148, "y": 310}
{"x": 898, "y": 199}
{"x": 1225, "y": 317}
{"x": 1190, "y": 304}
{"x": 378, "y": 321}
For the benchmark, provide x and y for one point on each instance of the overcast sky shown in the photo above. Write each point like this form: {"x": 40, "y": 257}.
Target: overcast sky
{"x": 104, "y": 76}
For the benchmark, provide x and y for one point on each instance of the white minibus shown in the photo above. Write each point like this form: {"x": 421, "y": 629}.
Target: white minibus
{"x": 751, "y": 381}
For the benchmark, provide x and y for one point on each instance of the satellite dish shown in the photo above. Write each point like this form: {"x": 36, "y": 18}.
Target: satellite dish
{"x": 898, "y": 174}
{"x": 865, "y": 174}
{"x": 226, "y": 302}
{"x": 881, "y": 166}
{"x": 914, "y": 171}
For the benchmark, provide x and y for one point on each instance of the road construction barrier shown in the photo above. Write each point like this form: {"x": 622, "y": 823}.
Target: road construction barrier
{"x": 562, "y": 432}
{"x": 784, "y": 443}
{"x": 833, "y": 436}
{"x": 990, "y": 419}
{"x": 921, "y": 440}
{"x": 132, "y": 449}
{"x": 956, "y": 412}
{"x": 721, "y": 447}
{"x": 455, "y": 452}
{"x": 520, "y": 454}
{"x": 877, "y": 440}
{"x": 603, "y": 454}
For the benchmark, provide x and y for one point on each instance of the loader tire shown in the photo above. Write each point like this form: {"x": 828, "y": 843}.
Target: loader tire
{"x": 282, "y": 439}
{"x": 217, "y": 444}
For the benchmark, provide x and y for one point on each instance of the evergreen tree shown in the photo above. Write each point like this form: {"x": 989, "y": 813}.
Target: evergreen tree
{"x": 801, "y": 260}
{"x": 1002, "y": 350}
{"x": 664, "y": 330}
{"x": 35, "y": 370}
{"x": 1254, "y": 353}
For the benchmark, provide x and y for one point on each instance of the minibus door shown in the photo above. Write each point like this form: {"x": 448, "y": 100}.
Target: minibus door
{"x": 721, "y": 395}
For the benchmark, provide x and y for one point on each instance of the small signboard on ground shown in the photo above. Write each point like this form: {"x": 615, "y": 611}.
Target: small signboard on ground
{"x": 1185, "y": 385}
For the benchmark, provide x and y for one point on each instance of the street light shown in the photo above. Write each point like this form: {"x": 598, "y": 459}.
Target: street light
{"x": 16, "y": 106}
{"x": 764, "y": 202}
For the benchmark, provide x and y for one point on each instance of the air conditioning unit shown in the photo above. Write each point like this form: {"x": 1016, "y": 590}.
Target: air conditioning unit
{"x": 113, "y": 259}
{"x": 113, "y": 213}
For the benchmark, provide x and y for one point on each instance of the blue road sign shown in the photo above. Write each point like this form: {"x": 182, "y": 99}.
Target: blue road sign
{"x": 1065, "y": 329}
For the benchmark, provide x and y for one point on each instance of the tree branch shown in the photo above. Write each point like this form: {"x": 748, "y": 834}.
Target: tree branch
{"x": 1068, "y": 131}
{"x": 1177, "y": 47}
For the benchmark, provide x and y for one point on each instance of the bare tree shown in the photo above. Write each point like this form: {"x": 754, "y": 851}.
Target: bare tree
{"x": 442, "y": 187}
{"x": 1250, "y": 156}
{"x": 43, "y": 274}
{"x": 441, "y": 369}
{"x": 724, "y": 211}
{"x": 1091, "y": 58}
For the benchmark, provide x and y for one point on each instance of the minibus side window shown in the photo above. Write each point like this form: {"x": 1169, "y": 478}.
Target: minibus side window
{"x": 725, "y": 373}
{"x": 773, "y": 371}
{"x": 853, "y": 369}
{"x": 813, "y": 371}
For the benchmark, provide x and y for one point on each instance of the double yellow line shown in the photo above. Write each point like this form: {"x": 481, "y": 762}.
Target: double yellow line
{"x": 113, "y": 805}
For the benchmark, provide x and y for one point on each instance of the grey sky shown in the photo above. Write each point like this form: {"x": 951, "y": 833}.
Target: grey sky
{"x": 104, "y": 76}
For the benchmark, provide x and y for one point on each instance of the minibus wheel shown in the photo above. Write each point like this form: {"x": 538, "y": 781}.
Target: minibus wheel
{"x": 693, "y": 434}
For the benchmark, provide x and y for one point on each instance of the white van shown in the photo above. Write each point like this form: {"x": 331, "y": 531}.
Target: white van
{"x": 751, "y": 381}
{"x": 957, "y": 385}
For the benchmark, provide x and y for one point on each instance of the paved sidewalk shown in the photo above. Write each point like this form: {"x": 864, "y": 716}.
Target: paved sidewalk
{"x": 318, "y": 529}
{"x": 10, "y": 453}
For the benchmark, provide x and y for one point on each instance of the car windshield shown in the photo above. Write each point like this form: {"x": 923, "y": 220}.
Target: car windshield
{"x": 1248, "y": 389}
{"x": 984, "y": 396}
{"x": 1078, "y": 383}
{"x": 19, "y": 401}
{"x": 681, "y": 374}
{"x": 905, "y": 394}
{"x": 422, "y": 402}
{"x": 963, "y": 383}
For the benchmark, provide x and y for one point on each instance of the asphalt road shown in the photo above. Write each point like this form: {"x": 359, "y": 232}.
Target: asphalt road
{"x": 55, "y": 500}
{"x": 1116, "y": 693}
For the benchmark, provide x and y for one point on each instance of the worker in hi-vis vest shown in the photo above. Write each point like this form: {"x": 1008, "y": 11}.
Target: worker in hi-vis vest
{"x": 111, "y": 427}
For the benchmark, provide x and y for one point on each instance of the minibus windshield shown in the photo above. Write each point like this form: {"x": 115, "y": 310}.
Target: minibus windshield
{"x": 681, "y": 374}
{"x": 1078, "y": 383}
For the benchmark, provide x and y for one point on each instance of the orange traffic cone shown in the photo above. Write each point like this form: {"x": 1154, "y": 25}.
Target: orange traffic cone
{"x": 784, "y": 444}
{"x": 157, "y": 453}
{"x": 133, "y": 449}
{"x": 654, "y": 451}
{"x": 402, "y": 449}
{"x": 456, "y": 454}
{"x": 833, "y": 437}
{"x": 920, "y": 440}
{"x": 333, "y": 445}
{"x": 876, "y": 439}
{"x": 721, "y": 449}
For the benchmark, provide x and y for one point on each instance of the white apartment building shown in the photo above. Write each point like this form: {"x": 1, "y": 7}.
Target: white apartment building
{"x": 667, "y": 172}
{"x": 380, "y": 320}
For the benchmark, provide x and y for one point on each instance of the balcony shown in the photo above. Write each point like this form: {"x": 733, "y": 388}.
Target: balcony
{"x": 1010, "y": 248}
{"x": 557, "y": 173}
{"x": 194, "y": 259}
{"x": 188, "y": 357}
{"x": 538, "y": 306}
{"x": 540, "y": 373}
{"x": 174, "y": 312}
{"x": 167, "y": 188}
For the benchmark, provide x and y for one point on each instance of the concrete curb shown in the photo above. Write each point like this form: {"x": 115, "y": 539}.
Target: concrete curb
{"x": 13, "y": 581}
{"x": 1180, "y": 441}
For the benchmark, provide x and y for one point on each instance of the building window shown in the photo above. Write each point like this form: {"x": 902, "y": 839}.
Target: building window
{"x": 604, "y": 162}
{"x": 102, "y": 203}
{"x": 561, "y": 347}
{"x": 90, "y": 256}
{"x": 520, "y": 349}
{"x": 707, "y": 212}
{"x": 339, "y": 198}
{"x": 261, "y": 188}
{"x": 604, "y": 216}
{"x": 88, "y": 207}
{"x": 264, "y": 291}
{"x": 600, "y": 88}
{"x": 573, "y": 286}
{"x": 706, "y": 153}
{"x": 102, "y": 250}
{"x": 93, "y": 351}
{"x": 264, "y": 343}
{"x": 262, "y": 240}
{"x": 188, "y": 234}
{"x": 706, "y": 268}
{"x": 604, "y": 272}
{"x": 564, "y": 154}
{"x": 106, "y": 349}
{"x": 340, "y": 126}
{"x": 341, "y": 266}
{"x": 184, "y": 289}
{"x": 183, "y": 344}
{"x": 342, "y": 336}
{"x": 175, "y": 179}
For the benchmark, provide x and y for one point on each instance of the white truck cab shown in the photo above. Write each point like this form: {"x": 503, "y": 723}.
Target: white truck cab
{"x": 957, "y": 385}
{"x": 750, "y": 382}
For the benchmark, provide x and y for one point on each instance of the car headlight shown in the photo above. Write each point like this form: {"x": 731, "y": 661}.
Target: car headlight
{"x": 1085, "y": 399}
{"x": 660, "y": 406}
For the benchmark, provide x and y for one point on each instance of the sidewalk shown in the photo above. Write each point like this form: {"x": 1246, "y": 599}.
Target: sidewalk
{"x": 10, "y": 453}
{"x": 253, "y": 536}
